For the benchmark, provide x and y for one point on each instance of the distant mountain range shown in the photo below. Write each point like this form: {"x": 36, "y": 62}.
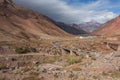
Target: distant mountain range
{"x": 87, "y": 26}
{"x": 70, "y": 29}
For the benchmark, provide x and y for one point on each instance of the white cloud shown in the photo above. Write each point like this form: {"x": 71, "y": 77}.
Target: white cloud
{"x": 59, "y": 10}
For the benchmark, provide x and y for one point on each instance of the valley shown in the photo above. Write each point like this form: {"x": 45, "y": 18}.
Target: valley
{"x": 63, "y": 58}
{"x": 35, "y": 47}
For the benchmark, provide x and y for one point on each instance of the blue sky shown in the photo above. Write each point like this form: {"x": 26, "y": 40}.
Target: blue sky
{"x": 115, "y": 4}
{"x": 80, "y": 1}
{"x": 75, "y": 11}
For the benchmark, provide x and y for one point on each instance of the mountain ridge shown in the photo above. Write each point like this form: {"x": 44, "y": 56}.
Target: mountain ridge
{"x": 87, "y": 26}
{"x": 25, "y": 23}
{"x": 68, "y": 28}
{"x": 110, "y": 28}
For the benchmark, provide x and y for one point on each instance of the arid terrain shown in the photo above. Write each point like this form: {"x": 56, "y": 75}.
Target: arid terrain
{"x": 60, "y": 59}
{"x": 33, "y": 47}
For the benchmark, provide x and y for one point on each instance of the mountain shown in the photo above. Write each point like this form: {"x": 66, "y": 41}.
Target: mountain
{"x": 70, "y": 29}
{"x": 87, "y": 26}
{"x": 112, "y": 27}
{"x": 20, "y": 22}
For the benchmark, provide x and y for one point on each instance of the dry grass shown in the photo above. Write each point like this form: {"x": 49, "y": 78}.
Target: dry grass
{"x": 74, "y": 67}
{"x": 2, "y": 66}
{"x": 73, "y": 59}
{"x": 31, "y": 78}
{"x": 115, "y": 74}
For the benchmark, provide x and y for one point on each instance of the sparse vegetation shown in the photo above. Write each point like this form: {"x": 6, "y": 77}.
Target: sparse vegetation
{"x": 77, "y": 69}
{"x": 56, "y": 75}
{"x": 81, "y": 78}
{"x": 73, "y": 59}
{"x": 50, "y": 59}
{"x": 95, "y": 77}
{"x": 31, "y": 78}
{"x": 115, "y": 74}
{"x": 34, "y": 73}
{"x": 2, "y": 79}
{"x": 2, "y": 66}
{"x": 25, "y": 69}
{"x": 71, "y": 75}
{"x": 23, "y": 50}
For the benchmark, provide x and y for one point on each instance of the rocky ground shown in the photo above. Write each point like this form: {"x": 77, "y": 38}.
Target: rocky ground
{"x": 62, "y": 59}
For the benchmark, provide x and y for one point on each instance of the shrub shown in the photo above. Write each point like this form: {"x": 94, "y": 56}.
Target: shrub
{"x": 2, "y": 79}
{"x": 81, "y": 78}
{"x": 56, "y": 75}
{"x": 73, "y": 59}
{"x": 22, "y": 50}
{"x": 25, "y": 69}
{"x": 25, "y": 50}
{"x": 2, "y": 66}
{"x": 33, "y": 76}
{"x": 115, "y": 74}
{"x": 33, "y": 50}
{"x": 71, "y": 75}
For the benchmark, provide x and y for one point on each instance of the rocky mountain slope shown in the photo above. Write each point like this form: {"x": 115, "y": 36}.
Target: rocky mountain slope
{"x": 110, "y": 28}
{"x": 70, "y": 29}
{"x": 24, "y": 23}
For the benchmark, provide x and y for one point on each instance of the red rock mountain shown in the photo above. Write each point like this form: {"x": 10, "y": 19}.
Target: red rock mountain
{"x": 24, "y": 23}
{"x": 110, "y": 28}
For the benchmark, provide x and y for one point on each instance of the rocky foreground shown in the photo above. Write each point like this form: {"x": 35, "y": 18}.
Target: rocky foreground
{"x": 65, "y": 59}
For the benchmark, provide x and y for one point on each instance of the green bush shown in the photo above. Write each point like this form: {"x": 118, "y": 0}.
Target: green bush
{"x": 25, "y": 50}
{"x": 22, "y": 50}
